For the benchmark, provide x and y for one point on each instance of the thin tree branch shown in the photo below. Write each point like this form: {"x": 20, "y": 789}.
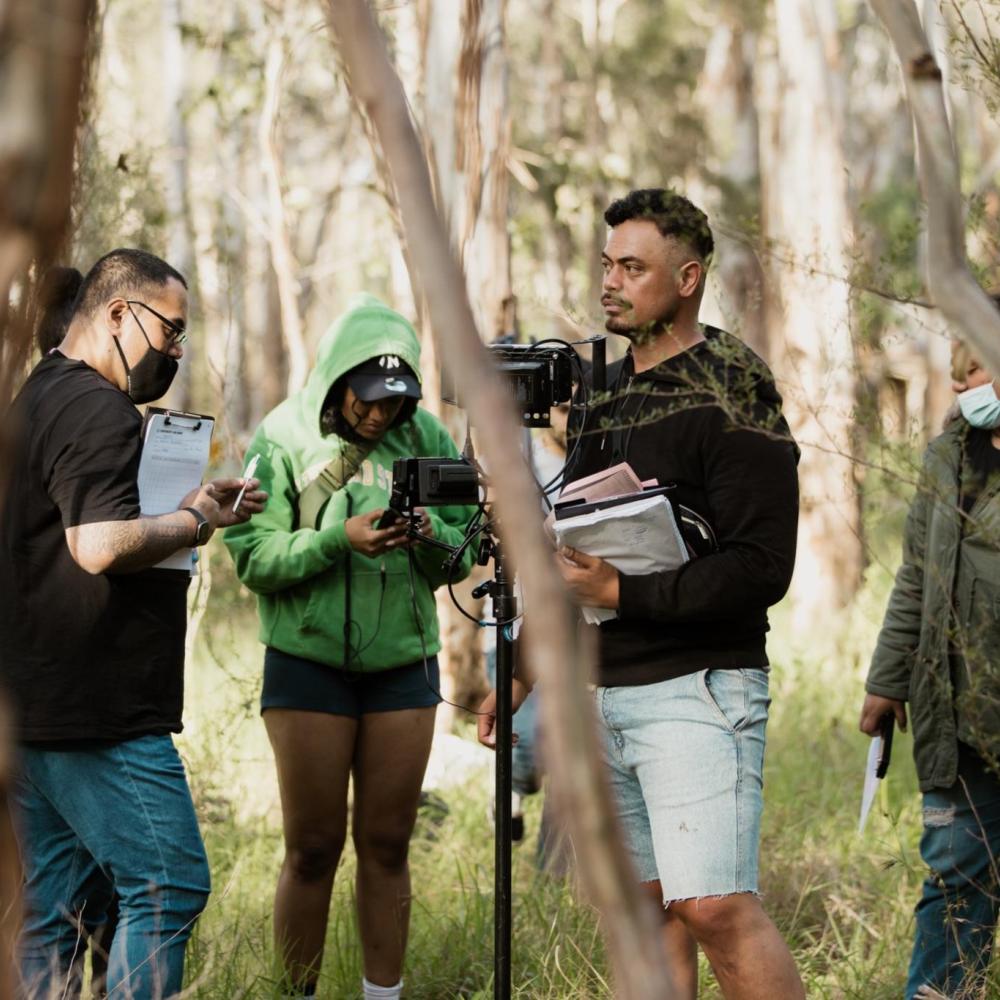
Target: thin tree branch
{"x": 636, "y": 954}
{"x": 953, "y": 287}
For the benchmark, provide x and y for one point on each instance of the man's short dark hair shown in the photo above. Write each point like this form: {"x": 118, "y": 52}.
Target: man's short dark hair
{"x": 126, "y": 273}
{"x": 672, "y": 213}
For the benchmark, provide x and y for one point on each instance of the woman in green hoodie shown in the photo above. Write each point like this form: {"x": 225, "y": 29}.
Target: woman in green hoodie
{"x": 348, "y": 620}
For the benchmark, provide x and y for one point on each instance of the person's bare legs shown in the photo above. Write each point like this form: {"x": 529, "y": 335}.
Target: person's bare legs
{"x": 313, "y": 752}
{"x": 747, "y": 954}
{"x": 680, "y": 947}
{"x": 389, "y": 766}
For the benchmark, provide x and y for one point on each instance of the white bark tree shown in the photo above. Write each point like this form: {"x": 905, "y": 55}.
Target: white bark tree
{"x": 808, "y": 231}
{"x": 462, "y": 106}
{"x": 952, "y": 285}
{"x": 282, "y": 257}
{"x": 177, "y": 199}
{"x": 725, "y": 94}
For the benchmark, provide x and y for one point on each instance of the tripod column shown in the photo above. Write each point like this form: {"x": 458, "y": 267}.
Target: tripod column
{"x": 504, "y": 608}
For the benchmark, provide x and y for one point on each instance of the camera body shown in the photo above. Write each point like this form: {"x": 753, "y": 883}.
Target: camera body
{"x": 432, "y": 482}
{"x": 536, "y": 375}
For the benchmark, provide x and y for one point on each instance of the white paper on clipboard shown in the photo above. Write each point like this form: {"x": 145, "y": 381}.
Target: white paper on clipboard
{"x": 175, "y": 449}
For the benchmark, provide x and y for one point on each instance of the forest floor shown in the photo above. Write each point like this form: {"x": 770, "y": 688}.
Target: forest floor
{"x": 844, "y": 902}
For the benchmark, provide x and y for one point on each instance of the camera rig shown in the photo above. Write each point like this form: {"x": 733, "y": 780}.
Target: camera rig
{"x": 538, "y": 376}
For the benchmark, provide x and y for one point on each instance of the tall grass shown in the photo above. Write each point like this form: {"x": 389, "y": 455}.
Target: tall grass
{"x": 843, "y": 901}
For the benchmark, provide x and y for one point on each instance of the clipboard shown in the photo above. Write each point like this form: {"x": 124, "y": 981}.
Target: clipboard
{"x": 876, "y": 765}
{"x": 574, "y": 508}
{"x": 175, "y": 450}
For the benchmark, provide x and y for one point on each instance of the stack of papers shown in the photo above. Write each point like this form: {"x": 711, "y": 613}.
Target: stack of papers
{"x": 635, "y": 532}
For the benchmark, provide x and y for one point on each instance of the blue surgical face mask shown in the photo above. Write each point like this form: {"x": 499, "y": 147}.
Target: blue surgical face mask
{"x": 980, "y": 406}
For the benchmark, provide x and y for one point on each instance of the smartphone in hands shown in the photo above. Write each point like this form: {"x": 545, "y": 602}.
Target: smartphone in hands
{"x": 388, "y": 519}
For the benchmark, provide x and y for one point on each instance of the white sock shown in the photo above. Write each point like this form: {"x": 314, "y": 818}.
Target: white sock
{"x": 373, "y": 992}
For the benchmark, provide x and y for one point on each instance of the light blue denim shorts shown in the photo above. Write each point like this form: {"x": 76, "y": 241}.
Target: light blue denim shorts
{"x": 686, "y": 759}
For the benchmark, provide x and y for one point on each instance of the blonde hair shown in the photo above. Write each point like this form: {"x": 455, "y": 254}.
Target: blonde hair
{"x": 962, "y": 359}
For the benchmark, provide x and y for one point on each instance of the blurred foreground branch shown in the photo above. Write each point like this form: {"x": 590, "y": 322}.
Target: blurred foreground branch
{"x": 43, "y": 57}
{"x": 636, "y": 955}
{"x": 43, "y": 44}
{"x": 952, "y": 285}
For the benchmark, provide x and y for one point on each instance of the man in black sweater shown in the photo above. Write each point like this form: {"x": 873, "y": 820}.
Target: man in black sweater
{"x": 682, "y": 686}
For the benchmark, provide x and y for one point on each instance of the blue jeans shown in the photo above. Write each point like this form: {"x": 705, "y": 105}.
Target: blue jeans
{"x": 524, "y": 777}
{"x": 685, "y": 761}
{"x": 94, "y": 822}
{"x": 957, "y": 915}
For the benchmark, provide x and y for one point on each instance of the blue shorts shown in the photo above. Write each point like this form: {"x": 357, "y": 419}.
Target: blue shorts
{"x": 307, "y": 686}
{"x": 686, "y": 760}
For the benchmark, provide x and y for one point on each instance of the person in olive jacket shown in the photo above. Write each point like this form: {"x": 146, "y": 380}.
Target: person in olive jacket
{"x": 939, "y": 652}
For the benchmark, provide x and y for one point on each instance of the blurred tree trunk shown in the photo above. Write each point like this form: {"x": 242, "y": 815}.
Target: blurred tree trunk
{"x": 726, "y": 96}
{"x": 176, "y": 193}
{"x": 43, "y": 69}
{"x": 597, "y": 23}
{"x": 463, "y": 107}
{"x": 42, "y": 74}
{"x": 558, "y": 247}
{"x": 628, "y": 920}
{"x": 807, "y": 226}
{"x": 282, "y": 258}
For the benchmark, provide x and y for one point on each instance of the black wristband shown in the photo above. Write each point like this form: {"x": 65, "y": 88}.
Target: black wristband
{"x": 203, "y": 530}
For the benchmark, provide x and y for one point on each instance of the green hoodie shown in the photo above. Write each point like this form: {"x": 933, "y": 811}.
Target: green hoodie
{"x": 298, "y": 573}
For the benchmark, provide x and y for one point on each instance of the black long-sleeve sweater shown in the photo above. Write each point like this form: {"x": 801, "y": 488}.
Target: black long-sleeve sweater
{"x": 708, "y": 421}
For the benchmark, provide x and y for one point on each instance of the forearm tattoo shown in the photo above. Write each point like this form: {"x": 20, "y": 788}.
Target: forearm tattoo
{"x": 138, "y": 544}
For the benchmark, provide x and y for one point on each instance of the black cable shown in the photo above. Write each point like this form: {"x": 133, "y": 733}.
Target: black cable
{"x": 359, "y": 649}
{"x": 418, "y": 621}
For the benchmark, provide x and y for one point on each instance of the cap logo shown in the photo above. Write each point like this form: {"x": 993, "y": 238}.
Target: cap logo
{"x": 395, "y": 385}
{"x": 388, "y": 361}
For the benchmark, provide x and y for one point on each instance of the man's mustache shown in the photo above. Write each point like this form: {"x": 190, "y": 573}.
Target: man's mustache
{"x": 611, "y": 300}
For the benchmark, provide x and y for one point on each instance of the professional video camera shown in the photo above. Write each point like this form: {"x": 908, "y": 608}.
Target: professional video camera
{"x": 430, "y": 482}
{"x": 540, "y": 375}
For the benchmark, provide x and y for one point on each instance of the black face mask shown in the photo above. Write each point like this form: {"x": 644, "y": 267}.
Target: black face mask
{"x": 150, "y": 377}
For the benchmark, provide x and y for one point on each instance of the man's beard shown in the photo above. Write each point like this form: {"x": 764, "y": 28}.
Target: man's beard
{"x": 640, "y": 335}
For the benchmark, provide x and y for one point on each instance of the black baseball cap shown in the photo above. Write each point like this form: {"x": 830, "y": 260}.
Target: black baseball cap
{"x": 382, "y": 378}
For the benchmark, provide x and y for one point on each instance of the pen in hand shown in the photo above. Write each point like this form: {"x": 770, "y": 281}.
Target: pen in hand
{"x": 251, "y": 469}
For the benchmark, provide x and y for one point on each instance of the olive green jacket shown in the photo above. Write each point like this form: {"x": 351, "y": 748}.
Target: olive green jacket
{"x": 939, "y": 648}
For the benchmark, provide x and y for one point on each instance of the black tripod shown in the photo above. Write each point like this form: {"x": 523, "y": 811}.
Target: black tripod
{"x": 501, "y": 589}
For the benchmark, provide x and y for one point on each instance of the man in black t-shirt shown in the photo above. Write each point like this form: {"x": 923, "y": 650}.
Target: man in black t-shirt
{"x": 682, "y": 681}
{"x": 92, "y": 641}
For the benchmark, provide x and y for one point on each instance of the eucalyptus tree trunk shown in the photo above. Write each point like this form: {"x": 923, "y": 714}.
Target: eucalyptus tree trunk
{"x": 577, "y": 768}
{"x": 282, "y": 258}
{"x": 466, "y": 129}
{"x": 808, "y": 232}
{"x": 42, "y": 79}
{"x": 177, "y": 198}
{"x": 725, "y": 94}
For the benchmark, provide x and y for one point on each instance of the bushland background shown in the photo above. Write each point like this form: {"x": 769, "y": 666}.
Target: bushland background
{"x": 223, "y": 137}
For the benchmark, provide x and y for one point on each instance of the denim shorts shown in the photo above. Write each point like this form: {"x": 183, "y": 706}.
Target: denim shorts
{"x": 304, "y": 685}
{"x": 686, "y": 760}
